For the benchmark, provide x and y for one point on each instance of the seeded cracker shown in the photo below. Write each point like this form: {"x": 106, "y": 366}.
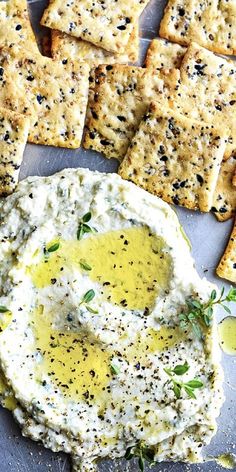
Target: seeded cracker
{"x": 175, "y": 158}
{"x": 15, "y": 26}
{"x": 208, "y": 91}
{"x": 162, "y": 54}
{"x": 227, "y": 266}
{"x": 234, "y": 179}
{"x": 107, "y": 24}
{"x": 224, "y": 200}
{"x": 52, "y": 93}
{"x": 13, "y": 136}
{"x": 65, "y": 46}
{"x": 210, "y": 23}
{"x": 122, "y": 95}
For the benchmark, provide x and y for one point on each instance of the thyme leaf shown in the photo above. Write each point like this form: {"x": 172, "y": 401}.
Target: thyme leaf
{"x": 91, "y": 310}
{"x": 88, "y": 297}
{"x": 4, "y": 309}
{"x": 53, "y": 248}
{"x": 198, "y": 315}
{"x": 84, "y": 265}
{"x": 87, "y": 217}
{"x": 115, "y": 369}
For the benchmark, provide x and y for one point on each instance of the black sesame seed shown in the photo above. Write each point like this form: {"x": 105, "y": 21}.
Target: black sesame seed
{"x": 200, "y": 179}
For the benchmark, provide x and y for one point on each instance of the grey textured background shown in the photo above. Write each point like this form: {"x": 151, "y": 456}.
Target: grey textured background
{"x": 208, "y": 238}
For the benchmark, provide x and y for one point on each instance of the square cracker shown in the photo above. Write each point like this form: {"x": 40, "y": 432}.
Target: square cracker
{"x": 52, "y": 93}
{"x": 224, "y": 200}
{"x": 207, "y": 91}
{"x": 13, "y": 137}
{"x": 65, "y": 46}
{"x": 234, "y": 179}
{"x": 15, "y": 26}
{"x": 175, "y": 158}
{"x": 210, "y": 23}
{"x": 107, "y": 24}
{"x": 122, "y": 95}
{"x": 163, "y": 54}
{"x": 227, "y": 266}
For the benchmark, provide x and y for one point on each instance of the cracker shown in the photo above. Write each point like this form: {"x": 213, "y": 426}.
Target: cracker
{"x": 227, "y": 266}
{"x": 65, "y": 46}
{"x": 15, "y": 26}
{"x": 122, "y": 95}
{"x": 175, "y": 158}
{"x": 208, "y": 91}
{"x": 52, "y": 93}
{"x": 13, "y": 136}
{"x": 162, "y": 54}
{"x": 210, "y": 23}
{"x": 106, "y": 23}
{"x": 234, "y": 179}
{"x": 224, "y": 200}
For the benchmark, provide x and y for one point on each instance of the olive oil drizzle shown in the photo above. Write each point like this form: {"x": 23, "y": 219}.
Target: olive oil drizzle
{"x": 131, "y": 265}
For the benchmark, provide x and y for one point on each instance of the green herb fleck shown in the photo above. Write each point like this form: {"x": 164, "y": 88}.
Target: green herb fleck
{"x": 198, "y": 315}
{"x": 88, "y": 297}
{"x": 115, "y": 370}
{"x": 54, "y": 247}
{"x": 84, "y": 265}
{"x": 87, "y": 217}
{"x": 177, "y": 385}
{"x": 91, "y": 310}
{"x": 4, "y": 309}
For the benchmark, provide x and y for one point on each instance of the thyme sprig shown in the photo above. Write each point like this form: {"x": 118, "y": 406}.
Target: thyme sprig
{"x": 198, "y": 315}
{"x": 84, "y": 227}
{"x": 178, "y": 385}
{"x": 143, "y": 453}
{"x": 87, "y": 298}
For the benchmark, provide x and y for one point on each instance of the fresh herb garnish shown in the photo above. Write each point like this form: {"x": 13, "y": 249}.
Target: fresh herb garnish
{"x": 143, "y": 453}
{"x": 4, "y": 309}
{"x": 177, "y": 385}
{"x": 200, "y": 314}
{"x": 115, "y": 370}
{"x": 83, "y": 227}
{"x": 91, "y": 310}
{"x": 53, "y": 248}
{"x": 87, "y": 298}
{"x": 84, "y": 265}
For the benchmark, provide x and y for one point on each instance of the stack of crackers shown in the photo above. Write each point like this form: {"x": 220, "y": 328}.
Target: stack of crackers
{"x": 171, "y": 123}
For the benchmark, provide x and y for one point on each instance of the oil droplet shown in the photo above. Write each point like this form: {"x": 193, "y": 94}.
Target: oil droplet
{"x": 228, "y": 461}
{"x": 227, "y": 335}
{"x": 5, "y": 320}
{"x": 78, "y": 367}
{"x": 131, "y": 265}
